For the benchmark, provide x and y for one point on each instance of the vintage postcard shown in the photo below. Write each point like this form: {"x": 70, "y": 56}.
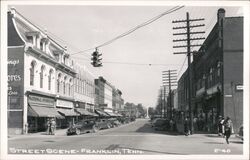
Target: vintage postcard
{"x": 124, "y": 80}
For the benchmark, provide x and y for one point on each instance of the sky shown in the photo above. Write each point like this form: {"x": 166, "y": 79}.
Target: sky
{"x": 125, "y": 61}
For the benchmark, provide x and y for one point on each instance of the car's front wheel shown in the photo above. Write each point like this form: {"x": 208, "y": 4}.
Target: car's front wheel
{"x": 78, "y": 132}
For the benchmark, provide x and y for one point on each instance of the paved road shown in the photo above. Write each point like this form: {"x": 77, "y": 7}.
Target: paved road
{"x": 134, "y": 138}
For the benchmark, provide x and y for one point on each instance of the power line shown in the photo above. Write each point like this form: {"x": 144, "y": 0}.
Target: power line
{"x": 129, "y": 63}
{"x": 135, "y": 28}
{"x": 182, "y": 66}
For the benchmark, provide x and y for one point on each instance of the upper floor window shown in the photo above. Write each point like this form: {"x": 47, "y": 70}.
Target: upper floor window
{"x": 41, "y": 46}
{"x": 41, "y": 76}
{"x": 49, "y": 79}
{"x": 64, "y": 85}
{"x": 64, "y": 59}
{"x": 70, "y": 81}
{"x": 58, "y": 82}
{"x": 218, "y": 69}
{"x": 30, "y": 39}
{"x": 32, "y": 72}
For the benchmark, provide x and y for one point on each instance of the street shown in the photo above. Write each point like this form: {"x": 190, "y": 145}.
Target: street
{"x": 134, "y": 138}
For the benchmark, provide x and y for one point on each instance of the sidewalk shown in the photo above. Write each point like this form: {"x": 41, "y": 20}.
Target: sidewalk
{"x": 58, "y": 132}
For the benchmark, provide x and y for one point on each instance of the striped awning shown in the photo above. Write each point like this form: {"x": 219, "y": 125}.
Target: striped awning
{"x": 111, "y": 114}
{"x": 84, "y": 112}
{"x": 67, "y": 112}
{"x": 38, "y": 111}
{"x": 102, "y": 113}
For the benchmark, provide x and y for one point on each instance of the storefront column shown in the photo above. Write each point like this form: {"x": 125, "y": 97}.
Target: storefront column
{"x": 25, "y": 114}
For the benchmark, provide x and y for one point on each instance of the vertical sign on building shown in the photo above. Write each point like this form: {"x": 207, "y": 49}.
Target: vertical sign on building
{"x": 15, "y": 88}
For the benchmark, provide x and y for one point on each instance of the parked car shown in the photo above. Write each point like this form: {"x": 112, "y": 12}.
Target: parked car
{"x": 240, "y": 132}
{"x": 103, "y": 124}
{"x": 114, "y": 122}
{"x": 161, "y": 124}
{"x": 124, "y": 119}
{"x": 132, "y": 118}
{"x": 84, "y": 126}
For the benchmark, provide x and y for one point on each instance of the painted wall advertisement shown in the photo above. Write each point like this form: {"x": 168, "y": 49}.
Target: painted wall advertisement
{"x": 15, "y": 86}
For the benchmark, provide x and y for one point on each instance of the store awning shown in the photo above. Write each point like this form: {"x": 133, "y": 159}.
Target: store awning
{"x": 111, "y": 114}
{"x": 119, "y": 115}
{"x": 38, "y": 111}
{"x": 101, "y": 113}
{"x": 84, "y": 112}
{"x": 67, "y": 112}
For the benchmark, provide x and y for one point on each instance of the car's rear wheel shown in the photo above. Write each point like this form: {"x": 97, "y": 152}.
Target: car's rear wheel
{"x": 78, "y": 132}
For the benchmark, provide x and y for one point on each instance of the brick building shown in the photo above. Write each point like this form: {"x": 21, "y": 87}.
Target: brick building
{"x": 217, "y": 75}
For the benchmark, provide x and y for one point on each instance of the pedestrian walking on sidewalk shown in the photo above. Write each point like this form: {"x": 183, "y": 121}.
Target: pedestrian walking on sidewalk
{"x": 49, "y": 132}
{"x": 53, "y": 126}
{"x": 220, "y": 126}
{"x": 228, "y": 128}
{"x": 186, "y": 126}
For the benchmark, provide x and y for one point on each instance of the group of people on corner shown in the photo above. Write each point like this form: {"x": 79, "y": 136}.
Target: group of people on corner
{"x": 51, "y": 126}
{"x": 225, "y": 127}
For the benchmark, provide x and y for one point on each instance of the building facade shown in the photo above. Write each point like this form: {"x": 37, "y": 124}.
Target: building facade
{"x": 217, "y": 75}
{"x": 32, "y": 76}
{"x": 84, "y": 91}
{"x": 117, "y": 101}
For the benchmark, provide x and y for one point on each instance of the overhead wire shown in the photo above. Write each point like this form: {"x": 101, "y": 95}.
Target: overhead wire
{"x": 134, "y": 29}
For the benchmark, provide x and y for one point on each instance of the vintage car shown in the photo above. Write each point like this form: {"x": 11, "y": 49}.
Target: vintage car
{"x": 161, "y": 124}
{"x": 114, "y": 122}
{"x": 103, "y": 124}
{"x": 84, "y": 126}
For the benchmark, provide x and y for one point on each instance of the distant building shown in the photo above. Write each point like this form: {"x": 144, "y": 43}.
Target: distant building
{"x": 117, "y": 101}
{"x": 104, "y": 93}
{"x": 84, "y": 91}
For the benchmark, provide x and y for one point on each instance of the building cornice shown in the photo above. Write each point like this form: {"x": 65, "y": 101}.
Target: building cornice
{"x": 49, "y": 58}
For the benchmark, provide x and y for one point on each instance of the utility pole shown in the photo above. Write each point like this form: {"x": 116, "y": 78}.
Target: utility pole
{"x": 188, "y": 46}
{"x": 170, "y": 79}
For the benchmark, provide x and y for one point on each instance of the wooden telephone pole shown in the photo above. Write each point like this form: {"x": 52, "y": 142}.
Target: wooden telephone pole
{"x": 169, "y": 79}
{"x": 188, "y": 46}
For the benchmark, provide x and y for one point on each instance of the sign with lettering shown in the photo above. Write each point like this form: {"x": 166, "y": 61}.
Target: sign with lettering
{"x": 239, "y": 87}
{"x": 15, "y": 77}
{"x": 41, "y": 101}
{"x": 63, "y": 103}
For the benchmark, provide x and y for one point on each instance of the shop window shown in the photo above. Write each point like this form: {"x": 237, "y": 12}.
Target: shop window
{"x": 32, "y": 73}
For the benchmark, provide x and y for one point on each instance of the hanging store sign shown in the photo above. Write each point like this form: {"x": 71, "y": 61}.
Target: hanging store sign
{"x": 239, "y": 87}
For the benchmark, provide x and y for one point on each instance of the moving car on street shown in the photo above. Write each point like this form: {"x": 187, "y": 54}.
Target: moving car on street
{"x": 84, "y": 126}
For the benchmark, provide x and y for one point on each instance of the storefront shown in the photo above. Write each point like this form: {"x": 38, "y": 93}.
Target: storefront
{"x": 40, "y": 109}
{"x": 66, "y": 109}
